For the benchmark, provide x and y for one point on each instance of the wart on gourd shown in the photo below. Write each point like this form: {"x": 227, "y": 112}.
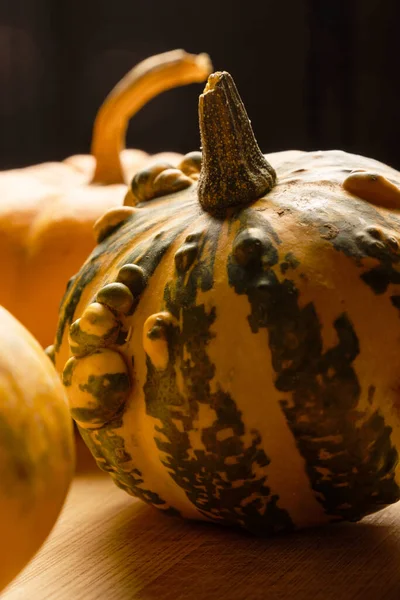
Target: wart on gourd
{"x": 98, "y": 385}
{"x": 117, "y": 296}
{"x": 97, "y": 327}
{"x": 155, "y": 338}
{"x": 373, "y": 188}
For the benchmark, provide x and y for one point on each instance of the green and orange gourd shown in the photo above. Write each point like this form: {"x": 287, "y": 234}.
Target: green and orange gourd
{"x": 230, "y": 348}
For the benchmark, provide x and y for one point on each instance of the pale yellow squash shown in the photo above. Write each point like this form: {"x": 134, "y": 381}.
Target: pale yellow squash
{"x": 36, "y": 446}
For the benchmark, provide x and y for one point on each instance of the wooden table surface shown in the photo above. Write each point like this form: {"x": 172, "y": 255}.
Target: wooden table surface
{"x": 106, "y": 545}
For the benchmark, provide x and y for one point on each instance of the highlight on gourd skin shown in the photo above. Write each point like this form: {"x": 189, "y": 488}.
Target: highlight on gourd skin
{"x": 237, "y": 290}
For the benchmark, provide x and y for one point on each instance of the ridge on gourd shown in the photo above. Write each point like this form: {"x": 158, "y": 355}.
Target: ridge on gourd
{"x": 47, "y": 211}
{"x": 246, "y": 372}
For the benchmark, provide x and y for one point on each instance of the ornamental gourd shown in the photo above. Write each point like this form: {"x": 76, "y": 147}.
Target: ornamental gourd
{"x": 36, "y": 446}
{"x": 230, "y": 349}
{"x": 47, "y": 211}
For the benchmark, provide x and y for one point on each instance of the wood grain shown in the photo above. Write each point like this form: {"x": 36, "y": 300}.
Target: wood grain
{"x": 107, "y": 545}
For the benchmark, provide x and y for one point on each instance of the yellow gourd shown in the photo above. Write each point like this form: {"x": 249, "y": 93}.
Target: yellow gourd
{"x": 36, "y": 446}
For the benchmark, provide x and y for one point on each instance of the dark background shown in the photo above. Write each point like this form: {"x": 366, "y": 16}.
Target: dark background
{"x": 314, "y": 74}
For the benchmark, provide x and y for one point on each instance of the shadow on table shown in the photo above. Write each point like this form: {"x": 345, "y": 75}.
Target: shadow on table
{"x": 151, "y": 556}
{"x": 165, "y": 558}
{"x": 85, "y": 463}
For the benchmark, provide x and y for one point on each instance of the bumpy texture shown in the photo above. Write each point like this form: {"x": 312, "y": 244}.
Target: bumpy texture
{"x": 253, "y": 377}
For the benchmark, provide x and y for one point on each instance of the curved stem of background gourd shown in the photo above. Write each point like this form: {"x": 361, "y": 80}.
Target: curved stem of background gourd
{"x": 234, "y": 171}
{"x": 148, "y": 79}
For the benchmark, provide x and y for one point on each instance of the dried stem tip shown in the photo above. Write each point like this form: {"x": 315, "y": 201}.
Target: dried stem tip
{"x": 234, "y": 171}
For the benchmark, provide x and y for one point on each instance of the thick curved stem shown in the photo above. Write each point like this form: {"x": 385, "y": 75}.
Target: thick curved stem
{"x": 149, "y": 78}
{"x": 234, "y": 171}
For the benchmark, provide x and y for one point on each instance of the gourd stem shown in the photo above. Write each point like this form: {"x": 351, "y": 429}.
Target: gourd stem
{"x": 234, "y": 171}
{"x": 149, "y": 78}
